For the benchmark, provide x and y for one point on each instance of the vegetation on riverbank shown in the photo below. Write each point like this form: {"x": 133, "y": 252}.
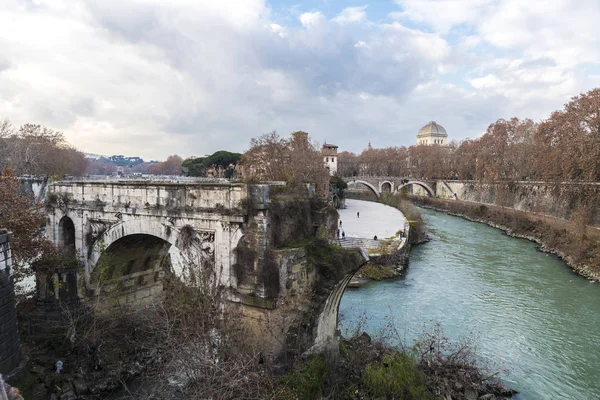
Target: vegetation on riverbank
{"x": 378, "y": 272}
{"x": 368, "y": 369}
{"x": 418, "y": 230}
{"x": 180, "y": 349}
{"x": 575, "y": 242}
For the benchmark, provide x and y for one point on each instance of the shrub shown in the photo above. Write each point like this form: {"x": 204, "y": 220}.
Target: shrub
{"x": 309, "y": 380}
{"x": 398, "y": 377}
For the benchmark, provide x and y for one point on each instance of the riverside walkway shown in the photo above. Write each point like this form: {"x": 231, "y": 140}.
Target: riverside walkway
{"x": 373, "y": 219}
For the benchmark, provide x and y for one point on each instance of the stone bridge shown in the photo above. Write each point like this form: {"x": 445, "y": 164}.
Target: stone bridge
{"x": 135, "y": 224}
{"x": 128, "y": 234}
{"x": 379, "y": 185}
{"x": 555, "y": 199}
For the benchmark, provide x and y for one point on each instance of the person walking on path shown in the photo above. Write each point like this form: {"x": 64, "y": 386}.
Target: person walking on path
{"x": 343, "y": 235}
{"x": 340, "y": 222}
{"x": 357, "y": 214}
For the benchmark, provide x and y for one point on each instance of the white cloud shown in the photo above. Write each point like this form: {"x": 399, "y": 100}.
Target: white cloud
{"x": 442, "y": 15}
{"x": 350, "y": 15}
{"x": 278, "y": 29}
{"x": 311, "y": 19}
{"x": 191, "y": 77}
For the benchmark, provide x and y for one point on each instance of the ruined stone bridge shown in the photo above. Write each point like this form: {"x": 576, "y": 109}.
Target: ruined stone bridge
{"x": 231, "y": 236}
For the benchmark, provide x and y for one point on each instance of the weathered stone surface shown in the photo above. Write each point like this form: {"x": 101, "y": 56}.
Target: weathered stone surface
{"x": 470, "y": 394}
{"x": 80, "y": 386}
{"x": 40, "y": 392}
{"x": 36, "y": 369}
{"x": 137, "y": 222}
{"x": 10, "y": 348}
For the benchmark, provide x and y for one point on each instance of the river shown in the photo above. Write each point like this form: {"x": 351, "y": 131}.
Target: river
{"x": 528, "y": 313}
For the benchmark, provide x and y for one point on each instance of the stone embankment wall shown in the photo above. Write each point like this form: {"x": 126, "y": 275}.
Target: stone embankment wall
{"x": 578, "y": 247}
{"x": 560, "y": 200}
{"x": 10, "y": 349}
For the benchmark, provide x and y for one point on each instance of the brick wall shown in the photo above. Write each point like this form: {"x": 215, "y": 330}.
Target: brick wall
{"x": 10, "y": 349}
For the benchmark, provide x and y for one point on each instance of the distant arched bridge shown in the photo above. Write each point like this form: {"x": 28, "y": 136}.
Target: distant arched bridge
{"x": 379, "y": 185}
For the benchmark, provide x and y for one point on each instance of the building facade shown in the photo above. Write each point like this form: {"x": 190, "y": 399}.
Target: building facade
{"x": 432, "y": 133}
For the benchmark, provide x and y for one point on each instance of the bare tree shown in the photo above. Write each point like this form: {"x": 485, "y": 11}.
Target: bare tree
{"x": 35, "y": 149}
{"x": 268, "y": 158}
{"x": 6, "y": 131}
{"x": 171, "y": 166}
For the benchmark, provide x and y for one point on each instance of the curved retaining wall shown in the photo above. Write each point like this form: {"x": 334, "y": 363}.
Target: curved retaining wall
{"x": 10, "y": 349}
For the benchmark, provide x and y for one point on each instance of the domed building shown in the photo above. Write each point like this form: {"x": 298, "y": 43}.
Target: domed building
{"x": 432, "y": 133}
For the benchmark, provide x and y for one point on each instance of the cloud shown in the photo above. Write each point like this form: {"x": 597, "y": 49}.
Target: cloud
{"x": 350, "y": 15}
{"x": 309, "y": 20}
{"x": 191, "y": 77}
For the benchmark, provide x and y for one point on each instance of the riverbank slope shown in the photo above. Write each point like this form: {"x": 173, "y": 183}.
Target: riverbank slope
{"x": 578, "y": 245}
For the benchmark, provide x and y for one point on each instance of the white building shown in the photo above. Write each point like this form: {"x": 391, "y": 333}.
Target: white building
{"x": 432, "y": 133}
{"x": 329, "y": 152}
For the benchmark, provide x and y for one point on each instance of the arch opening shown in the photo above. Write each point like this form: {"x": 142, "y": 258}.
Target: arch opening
{"x": 131, "y": 255}
{"x": 66, "y": 238}
{"x": 386, "y": 187}
{"x": 359, "y": 185}
{"x": 409, "y": 186}
{"x": 130, "y": 270}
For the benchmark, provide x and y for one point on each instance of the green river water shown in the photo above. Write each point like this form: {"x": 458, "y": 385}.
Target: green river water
{"x": 526, "y": 311}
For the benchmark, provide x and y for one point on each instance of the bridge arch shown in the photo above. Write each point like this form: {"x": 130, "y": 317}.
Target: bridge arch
{"x": 386, "y": 187}
{"x": 66, "y": 234}
{"x": 367, "y": 184}
{"x": 140, "y": 246}
{"x": 137, "y": 256}
{"x": 327, "y": 322}
{"x": 425, "y": 186}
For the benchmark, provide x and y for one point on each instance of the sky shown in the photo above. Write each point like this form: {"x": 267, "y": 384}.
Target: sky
{"x": 152, "y": 78}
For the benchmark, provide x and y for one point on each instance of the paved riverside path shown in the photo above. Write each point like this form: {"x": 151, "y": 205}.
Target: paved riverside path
{"x": 375, "y": 219}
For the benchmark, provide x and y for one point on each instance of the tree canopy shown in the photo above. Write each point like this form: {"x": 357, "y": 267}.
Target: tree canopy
{"x": 37, "y": 150}
{"x": 564, "y": 147}
{"x": 198, "y": 166}
{"x": 24, "y": 219}
{"x": 295, "y": 160}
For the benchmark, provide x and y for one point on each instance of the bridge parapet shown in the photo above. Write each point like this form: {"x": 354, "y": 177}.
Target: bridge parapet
{"x": 143, "y": 196}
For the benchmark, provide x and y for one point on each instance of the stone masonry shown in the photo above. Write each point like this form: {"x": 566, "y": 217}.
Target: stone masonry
{"x": 10, "y": 349}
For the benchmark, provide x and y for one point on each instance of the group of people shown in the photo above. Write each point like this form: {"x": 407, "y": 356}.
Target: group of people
{"x": 340, "y": 230}
{"x": 344, "y": 233}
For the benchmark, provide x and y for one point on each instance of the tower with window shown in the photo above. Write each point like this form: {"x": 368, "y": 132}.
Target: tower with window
{"x": 329, "y": 152}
